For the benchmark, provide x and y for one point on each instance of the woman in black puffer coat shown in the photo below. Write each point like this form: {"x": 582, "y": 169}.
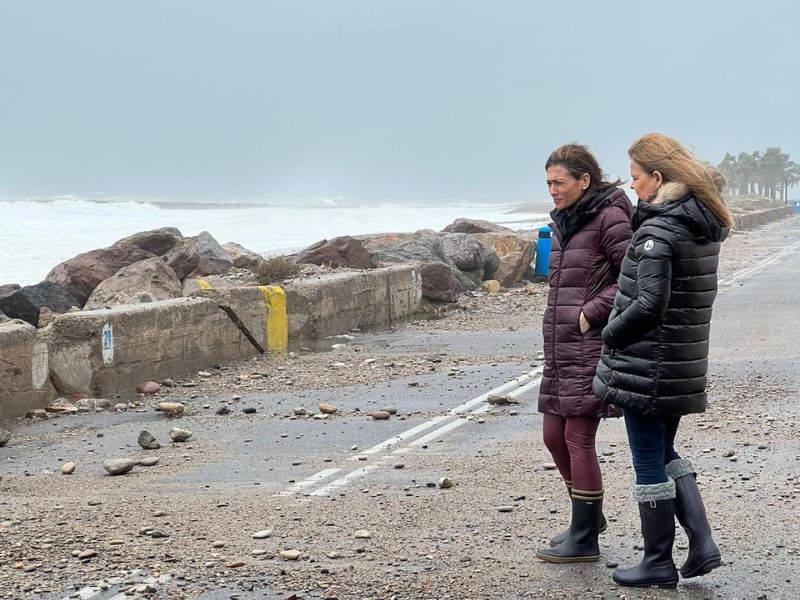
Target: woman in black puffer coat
{"x": 655, "y": 354}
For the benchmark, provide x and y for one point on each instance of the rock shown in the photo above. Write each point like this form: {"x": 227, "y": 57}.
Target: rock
{"x": 171, "y": 409}
{"x": 549, "y": 466}
{"x": 152, "y": 276}
{"x": 343, "y": 251}
{"x": 87, "y": 554}
{"x": 8, "y": 288}
{"x": 121, "y": 407}
{"x": 249, "y": 410}
{"x": 236, "y": 564}
{"x": 46, "y": 316}
{"x": 92, "y": 404}
{"x": 68, "y": 468}
{"x": 82, "y": 274}
{"x": 290, "y": 554}
{"x": 148, "y": 387}
{"x": 183, "y": 259}
{"x": 179, "y": 435}
{"x": 61, "y": 406}
{"x": 156, "y": 241}
{"x": 241, "y": 257}
{"x": 380, "y": 415}
{"x": 118, "y": 466}
{"x": 262, "y": 535}
{"x": 464, "y": 250}
{"x": 27, "y": 302}
{"x": 148, "y": 441}
{"x": 390, "y": 409}
{"x": 501, "y": 400}
{"x": 37, "y": 413}
{"x": 491, "y": 286}
{"x": 490, "y": 264}
{"x": 213, "y": 258}
{"x": 474, "y": 226}
{"x": 505, "y": 509}
{"x": 5, "y": 437}
{"x": 515, "y": 252}
{"x": 363, "y": 534}
{"x": 299, "y": 411}
{"x": 327, "y": 409}
{"x": 149, "y": 461}
{"x": 218, "y": 544}
{"x": 168, "y": 383}
{"x": 445, "y": 483}
{"x": 439, "y": 283}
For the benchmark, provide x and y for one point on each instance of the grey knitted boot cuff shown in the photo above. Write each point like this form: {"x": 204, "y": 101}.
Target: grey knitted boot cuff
{"x": 657, "y": 491}
{"x": 680, "y": 467}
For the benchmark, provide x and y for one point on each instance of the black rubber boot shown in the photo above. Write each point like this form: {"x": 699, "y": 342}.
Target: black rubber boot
{"x": 657, "y": 515}
{"x": 704, "y": 555}
{"x": 581, "y": 544}
{"x": 561, "y": 537}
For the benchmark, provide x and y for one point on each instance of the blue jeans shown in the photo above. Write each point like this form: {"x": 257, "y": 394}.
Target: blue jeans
{"x": 651, "y": 440}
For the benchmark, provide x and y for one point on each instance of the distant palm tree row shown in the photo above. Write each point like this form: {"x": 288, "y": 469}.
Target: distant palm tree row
{"x": 770, "y": 173}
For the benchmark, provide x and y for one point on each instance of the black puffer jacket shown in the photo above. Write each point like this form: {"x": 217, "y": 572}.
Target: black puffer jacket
{"x": 655, "y": 346}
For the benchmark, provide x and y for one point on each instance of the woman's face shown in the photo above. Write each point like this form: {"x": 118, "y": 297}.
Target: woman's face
{"x": 564, "y": 189}
{"x": 644, "y": 183}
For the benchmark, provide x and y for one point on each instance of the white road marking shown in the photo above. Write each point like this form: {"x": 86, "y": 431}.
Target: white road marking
{"x": 522, "y": 380}
{"x": 309, "y": 481}
{"x": 758, "y": 266}
{"x": 433, "y": 435}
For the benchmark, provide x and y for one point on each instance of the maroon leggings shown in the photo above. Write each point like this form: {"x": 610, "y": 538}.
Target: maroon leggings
{"x": 571, "y": 442}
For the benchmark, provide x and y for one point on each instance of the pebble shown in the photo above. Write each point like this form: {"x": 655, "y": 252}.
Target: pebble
{"x": 171, "y": 409}
{"x": 505, "y": 509}
{"x": 320, "y": 417}
{"x": 300, "y": 411}
{"x": 249, "y": 410}
{"x": 68, "y": 468}
{"x": 168, "y": 382}
{"x": 380, "y": 415}
{"x": 236, "y": 564}
{"x": 179, "y": 435}
{"x": 120, "y": 407}
{"x": 290, "y": 554}
{"x": 263, "y": 534}
{"x": 445, "y": 483}
{"x": 148, "y": 441}
{"x": 218, "y": 544}
{"x": 148, "y": 387}
{"x": 363, "y": 534}
{"x": 5, "y": 436}
{"x": 119, "y": 466}
{"x": 549, "y": 466}
{"x": 87, "y": 554}
{"x": 149, "y": 461}
{"x": 327, "y": 409}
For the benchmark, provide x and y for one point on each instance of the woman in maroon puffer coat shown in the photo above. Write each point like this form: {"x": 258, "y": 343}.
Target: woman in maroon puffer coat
{"x": 592, "y": 230}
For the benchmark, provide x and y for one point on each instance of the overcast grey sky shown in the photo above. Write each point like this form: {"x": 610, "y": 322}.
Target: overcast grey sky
{"x": 377, "y": 100}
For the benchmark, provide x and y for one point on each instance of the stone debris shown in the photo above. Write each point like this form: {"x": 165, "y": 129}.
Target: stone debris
{"x": 119, "y": 466}
{"x": 148, "y": 441}
{"x": 68, "y": 468}
{"x": 179, "y": 435}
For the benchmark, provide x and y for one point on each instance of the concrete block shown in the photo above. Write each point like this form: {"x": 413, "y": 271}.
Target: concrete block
{"x": 247, "y": 304}
{"x": 102, "y": 352}
{"x": 337, "y": 303}
{"x": 755, "y": 219}
{"x": 24, "y": 370}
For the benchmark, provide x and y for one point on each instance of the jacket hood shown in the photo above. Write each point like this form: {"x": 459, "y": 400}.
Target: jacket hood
{"x": 689, "y": 211}
{"x": 572, "y": 219}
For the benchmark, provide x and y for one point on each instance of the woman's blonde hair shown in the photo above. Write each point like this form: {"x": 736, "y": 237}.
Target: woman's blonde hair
{"x": 659, "y": 152}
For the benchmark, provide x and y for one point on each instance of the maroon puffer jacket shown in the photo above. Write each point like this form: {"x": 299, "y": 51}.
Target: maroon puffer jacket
{"x": 587, "y": 250}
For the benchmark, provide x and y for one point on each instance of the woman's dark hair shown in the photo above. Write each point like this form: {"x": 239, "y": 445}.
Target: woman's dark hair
{"x": 578, "y": 160}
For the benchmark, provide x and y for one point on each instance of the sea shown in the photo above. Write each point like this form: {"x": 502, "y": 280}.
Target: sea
{"x": 37, "y": 234}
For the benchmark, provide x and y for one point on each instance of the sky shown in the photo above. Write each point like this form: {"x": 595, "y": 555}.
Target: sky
{"x": 377, "y": 100}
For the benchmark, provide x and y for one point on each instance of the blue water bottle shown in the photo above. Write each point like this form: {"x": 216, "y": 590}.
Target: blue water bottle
{"x": 542, "y": 267}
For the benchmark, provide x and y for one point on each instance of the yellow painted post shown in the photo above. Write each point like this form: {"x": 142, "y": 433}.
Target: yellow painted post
{"x": 277, "y": 323}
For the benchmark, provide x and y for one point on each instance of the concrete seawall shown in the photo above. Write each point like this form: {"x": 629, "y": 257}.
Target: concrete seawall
{"x": 100, "y": 353}
{"x": 761, "y": 217}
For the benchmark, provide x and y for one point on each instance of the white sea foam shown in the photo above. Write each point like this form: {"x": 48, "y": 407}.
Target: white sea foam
{"x": 35, "y": 235}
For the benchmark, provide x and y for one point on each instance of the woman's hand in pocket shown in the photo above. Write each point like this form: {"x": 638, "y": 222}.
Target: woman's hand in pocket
{"x": 584, "y": 324}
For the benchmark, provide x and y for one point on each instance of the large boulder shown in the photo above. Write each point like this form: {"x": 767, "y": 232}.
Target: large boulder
{"x": 491, "y": 263}
{"x": 343, "y": 251}
{"x": 439, "y": 282}
{"x": 8, "y": 288}
{"x": 379, "y": 240}
{"x": 183, "y": 259}
{"x": 82, "y": 274}
{"x": 26, "y": 303}
{"x": 213, "y": 258}
{"x": 474, "y": 226}
{"x": 242, "y": 257}
{"x": 515, "y": 252}
{"x": 464, "y": 250}
{"x": 143, "y": 281}
{"x": 156, "y": 241}
{"x": 426, "y": 249}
